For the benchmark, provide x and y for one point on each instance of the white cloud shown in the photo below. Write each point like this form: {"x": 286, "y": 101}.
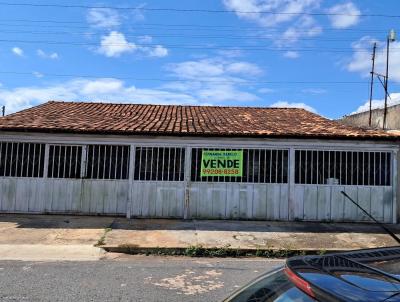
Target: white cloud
{"x": 213, "y": 67}
{"x": 344, "y": 15}
{"x": 205, "y": 81}
{"x": 103, "y": 18}
{"x": 379, "y": 103}
{"x": 234, "y": 53}
{"x": 361, "y": 62}
{"x": 305, "y": 26}
{"x": 158, "y": 51}
{"x": 37, "y": 74}
{"x": 214, "y": 79}
{"x": 297, "y": 25}
{"x": 291, "y": 54}
{"x": 224, "y": 92}
{"x": 17, "y": 51}
{"x": 41, "y": 53}
{"x": 243, "y": 68}
{"x": 110, "y": 90}
{"x": 284, "y": 104}
{"x": 101, "y": 86}
{"x": 115, "y": 44}
{"x": 289, "y": 7}
{"x": 197, "y": 69}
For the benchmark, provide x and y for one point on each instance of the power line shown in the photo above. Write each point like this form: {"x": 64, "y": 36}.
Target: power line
{"x": 234, "y": 30}
{"x": 191, "y": 26}
{"x": 138, "y": 27}
{"x": 239, "y": 81}
{"x": 186, "y": 10}
{"x": 140, "y": 35}
{"x": 193, "y": 46}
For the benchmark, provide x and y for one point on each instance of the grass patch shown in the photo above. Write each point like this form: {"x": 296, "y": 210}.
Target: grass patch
{"x": 102, "y": 239}
{"x": 200, "y": 251}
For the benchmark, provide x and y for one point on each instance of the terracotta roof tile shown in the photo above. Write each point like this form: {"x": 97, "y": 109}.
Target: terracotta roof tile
{"x": 136, "y": 119}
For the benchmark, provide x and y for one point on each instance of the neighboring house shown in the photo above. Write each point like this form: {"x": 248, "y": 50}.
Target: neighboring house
{"x": 151, "y": 161}
{"x": 362, "y": 119}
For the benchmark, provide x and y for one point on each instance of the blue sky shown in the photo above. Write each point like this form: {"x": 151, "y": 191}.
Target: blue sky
{"x": 319, "y": 62}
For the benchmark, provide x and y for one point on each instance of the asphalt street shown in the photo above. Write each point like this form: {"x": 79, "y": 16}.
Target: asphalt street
{"x": 129, "y": 278}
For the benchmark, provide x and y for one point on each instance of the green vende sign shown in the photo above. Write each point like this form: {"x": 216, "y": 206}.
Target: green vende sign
{"x": 221, "y": 163}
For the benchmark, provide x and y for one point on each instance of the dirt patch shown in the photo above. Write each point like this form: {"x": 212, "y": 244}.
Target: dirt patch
{"x": 190, "y": 282}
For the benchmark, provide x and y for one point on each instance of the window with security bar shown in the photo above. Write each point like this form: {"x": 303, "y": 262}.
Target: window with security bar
{"x": 343, "y": 168}
{"x": 21, "y": 159}
{"x": 64, "y": 161}
{"x": 107, "y": 162}
{"x": 159, "y": 163}
{"x": 258, "y": 166}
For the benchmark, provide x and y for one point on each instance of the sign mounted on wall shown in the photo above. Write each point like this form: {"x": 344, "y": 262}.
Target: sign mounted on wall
{"x": 221, "y": 163}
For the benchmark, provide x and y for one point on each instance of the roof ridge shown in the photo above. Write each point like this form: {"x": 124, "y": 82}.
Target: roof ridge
{"x": 174, "y": 105}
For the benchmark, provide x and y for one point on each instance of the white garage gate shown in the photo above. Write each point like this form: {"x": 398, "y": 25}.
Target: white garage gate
{"x": 161, "y": 179}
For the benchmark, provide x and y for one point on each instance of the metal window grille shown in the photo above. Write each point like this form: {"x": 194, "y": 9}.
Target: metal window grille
{"x": 159, "y": 163}
{"x": 107, "y": 162}
{"x": 64, "y": 161}
{"x": 343, "y": 167}
{"x": 21, "y": 159}
{"x": 259, "y": 166}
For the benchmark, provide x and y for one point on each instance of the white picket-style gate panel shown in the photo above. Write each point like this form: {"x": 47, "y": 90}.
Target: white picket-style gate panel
{"x": 157, "y": 199}
{"x": 238, "y": 201}
{"x": 327, "y": 203}
{"x": 30, "y": 195}
{"x": 105, "y": 196}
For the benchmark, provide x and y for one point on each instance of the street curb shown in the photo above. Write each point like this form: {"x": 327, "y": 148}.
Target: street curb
{"x": 218, "y": 252}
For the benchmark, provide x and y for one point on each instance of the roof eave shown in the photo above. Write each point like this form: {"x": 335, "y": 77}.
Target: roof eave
{"x": 210, "y": 134}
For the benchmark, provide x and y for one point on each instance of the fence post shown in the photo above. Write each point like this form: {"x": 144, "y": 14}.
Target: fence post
{"x": 46, "y": 161}
{"x": 395, "y": 184}
{"x": 188, "y": 166}
{"x": 83, "y": 162}
{"x": 131, "y": 176}
{"x": 292, "y": 206}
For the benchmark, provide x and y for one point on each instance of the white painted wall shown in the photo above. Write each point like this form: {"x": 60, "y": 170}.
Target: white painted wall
{"x": 239, "y": 201}
{"x": 327, "y": 203}
{"x": 188, "y": 199}
{"x": 43, "y": 195}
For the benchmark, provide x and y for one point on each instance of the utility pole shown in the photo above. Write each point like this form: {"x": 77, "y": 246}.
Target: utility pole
{"x": 372, "y": 84}
{"x": 391, "y": 38}
{"x": 3, "y": 109}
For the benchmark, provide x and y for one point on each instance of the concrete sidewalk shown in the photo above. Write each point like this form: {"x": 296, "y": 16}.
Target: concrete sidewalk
{"x": 78, "y": 235}
{"x": 249, "y": 235}
{"x": 51, "y": 238}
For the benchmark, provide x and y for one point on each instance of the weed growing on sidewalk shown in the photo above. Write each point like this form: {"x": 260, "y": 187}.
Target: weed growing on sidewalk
{"x": 102, "y": 239}
{"x": 200, "y": 251}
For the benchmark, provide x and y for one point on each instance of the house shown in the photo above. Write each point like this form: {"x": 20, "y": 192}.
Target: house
{"x": 194, "y": 162}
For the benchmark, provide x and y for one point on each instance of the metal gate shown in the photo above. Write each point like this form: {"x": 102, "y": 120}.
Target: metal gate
{"x": 158, "y": 185}
{"x": 321, "y": 175}
{"x": 153, "y": 181}
{"x": 261, "y": 193}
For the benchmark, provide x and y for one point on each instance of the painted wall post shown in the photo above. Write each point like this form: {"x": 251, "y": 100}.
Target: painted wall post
{"x": 292, "y": 206}
{"x": 395, "y": 185}
{"x": 129, "y": 202}
{"x": 188, "y": 166}
{"x": 46, "y": 160}
{"x": 84, "y": 162}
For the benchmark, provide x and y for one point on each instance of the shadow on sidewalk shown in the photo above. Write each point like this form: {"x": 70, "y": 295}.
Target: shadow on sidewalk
{"x": 119, "y": 223}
